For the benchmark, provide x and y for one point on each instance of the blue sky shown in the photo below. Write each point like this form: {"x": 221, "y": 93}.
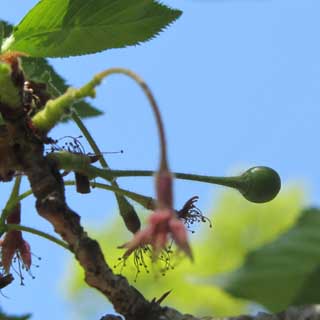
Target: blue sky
{"x": 238, "y": 85}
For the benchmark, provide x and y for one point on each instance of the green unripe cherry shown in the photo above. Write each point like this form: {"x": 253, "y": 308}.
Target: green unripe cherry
{"x": 260, "y": 184}
{"x": 257, "y": 184}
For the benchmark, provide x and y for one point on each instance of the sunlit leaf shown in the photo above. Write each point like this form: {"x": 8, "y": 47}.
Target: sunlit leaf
{"x": 66, "y": 28}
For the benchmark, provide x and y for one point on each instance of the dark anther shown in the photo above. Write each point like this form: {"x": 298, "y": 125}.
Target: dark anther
{"x": 191, "y": 214}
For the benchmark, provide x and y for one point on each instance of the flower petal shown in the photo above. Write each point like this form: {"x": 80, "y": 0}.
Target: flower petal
{"x": 8, "y": 248}
{"x": 24, "y": 249}
{"x": 140, "y": 239}
{"x": 179, "y": 235}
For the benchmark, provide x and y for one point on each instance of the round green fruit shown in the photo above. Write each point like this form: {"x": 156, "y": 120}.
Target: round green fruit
{"x": 260, "y": 184}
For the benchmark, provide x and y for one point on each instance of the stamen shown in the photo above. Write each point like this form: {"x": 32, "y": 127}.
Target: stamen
{"x": 192, "y": 214}
{"x": 143, "y": 258}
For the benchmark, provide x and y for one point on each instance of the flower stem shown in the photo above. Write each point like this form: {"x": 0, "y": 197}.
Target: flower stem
{"x": 146, "y": 202}
{"x": 11, "y": 227}
{"x": 127, "y": 211}
{"x": 89, "y": 138}
{"x": 24, "y": 195}
{"x": 232, "y": 182}
{"x": 12, "y": 201}
{"x": 47, "y": 118}
{"x": 80, "y": 163}
{"x": 185, "y": 176}
{"x": 153, "y": 103}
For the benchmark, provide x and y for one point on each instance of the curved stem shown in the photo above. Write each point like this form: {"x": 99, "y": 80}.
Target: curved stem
{"x": 11, "y": 227}
{"x": 51, "y": 114}
{"x": 99, "y": 77}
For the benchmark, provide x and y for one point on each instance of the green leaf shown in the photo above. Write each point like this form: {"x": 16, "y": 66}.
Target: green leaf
{"x": 38, "y": 69}
{"x": 63, "y": 28}
{"x": 284, "y": 272}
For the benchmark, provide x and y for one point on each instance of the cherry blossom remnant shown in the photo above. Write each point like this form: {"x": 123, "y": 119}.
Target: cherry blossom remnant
{"x": 13, "y": 245}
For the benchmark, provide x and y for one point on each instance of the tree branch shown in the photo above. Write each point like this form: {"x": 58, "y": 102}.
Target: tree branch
{"x": 47, "y": 186}
{"x": 308, "y": 312}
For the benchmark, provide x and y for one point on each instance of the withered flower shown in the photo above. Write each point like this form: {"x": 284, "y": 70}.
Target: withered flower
{"x": 13, "y": 245}
{"x": 163, "y": 223}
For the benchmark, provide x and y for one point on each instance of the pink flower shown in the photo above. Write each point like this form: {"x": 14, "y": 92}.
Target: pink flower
{"x": 163, "y": 224}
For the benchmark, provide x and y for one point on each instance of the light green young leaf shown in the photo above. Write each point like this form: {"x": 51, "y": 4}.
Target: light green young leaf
{"x": 63, "y": 28}
{"x": 284, "y": 272}
{"x": 240, "y": 226}
{"x": 40, "y": 70}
